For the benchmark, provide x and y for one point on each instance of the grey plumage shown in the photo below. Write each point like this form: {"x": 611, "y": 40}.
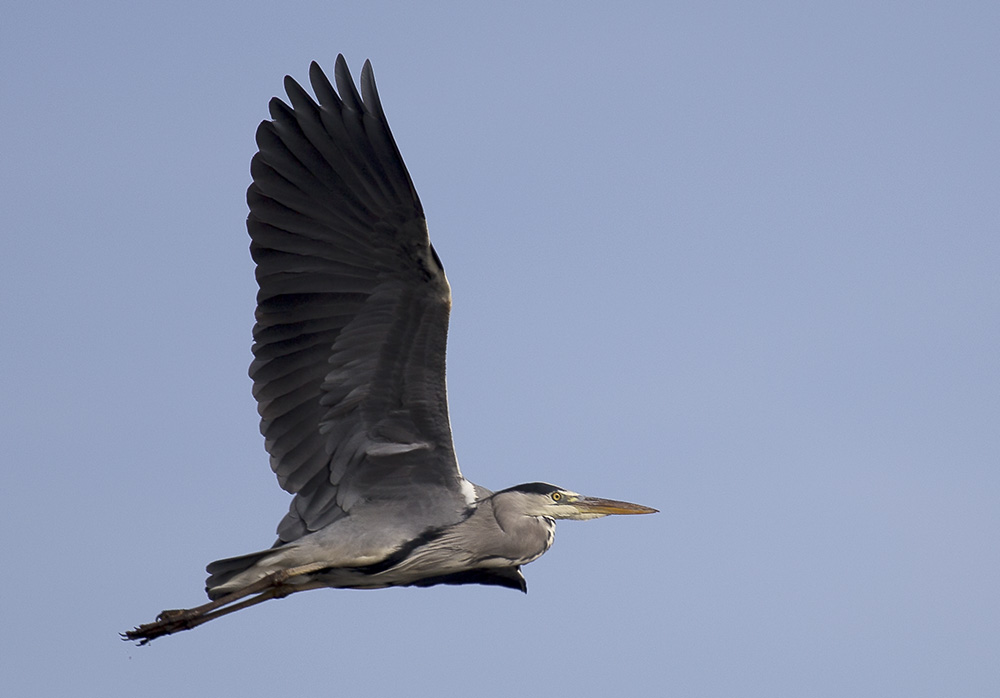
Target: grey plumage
{"x": 349, "y": 375}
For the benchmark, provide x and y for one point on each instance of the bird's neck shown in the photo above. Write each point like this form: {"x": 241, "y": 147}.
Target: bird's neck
{"x": 522, "y": 537}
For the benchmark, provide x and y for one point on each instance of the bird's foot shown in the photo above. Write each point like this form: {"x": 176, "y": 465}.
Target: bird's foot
{"x": 272, "y": 586}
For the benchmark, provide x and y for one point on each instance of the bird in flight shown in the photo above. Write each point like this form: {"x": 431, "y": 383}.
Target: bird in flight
{"x": 349, "y": 377}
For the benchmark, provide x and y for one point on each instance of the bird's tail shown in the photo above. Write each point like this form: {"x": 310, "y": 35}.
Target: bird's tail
{"x": 221, "y": 572}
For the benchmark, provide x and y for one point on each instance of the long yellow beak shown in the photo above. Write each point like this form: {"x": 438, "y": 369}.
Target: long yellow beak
{"x": 603, "y": 507}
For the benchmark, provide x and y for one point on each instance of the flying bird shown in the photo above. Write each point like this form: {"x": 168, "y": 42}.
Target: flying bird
{"x": 349, "y": 376}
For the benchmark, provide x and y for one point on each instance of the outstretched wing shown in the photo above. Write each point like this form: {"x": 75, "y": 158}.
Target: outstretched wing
{"x": 352, "y": 314}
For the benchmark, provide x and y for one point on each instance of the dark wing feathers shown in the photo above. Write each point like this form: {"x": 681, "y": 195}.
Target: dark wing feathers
{"x": 352, "y": 312}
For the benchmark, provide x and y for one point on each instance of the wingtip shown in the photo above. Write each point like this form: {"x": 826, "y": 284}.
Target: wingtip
{"x": 291, "y": 85}
{"x": 340, "y": 66}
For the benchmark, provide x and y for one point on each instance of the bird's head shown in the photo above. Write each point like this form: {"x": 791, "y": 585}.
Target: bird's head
{"x": 543, "y": 499}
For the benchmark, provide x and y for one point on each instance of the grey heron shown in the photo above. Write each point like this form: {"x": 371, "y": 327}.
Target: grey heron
{"x": 349, "y": 376}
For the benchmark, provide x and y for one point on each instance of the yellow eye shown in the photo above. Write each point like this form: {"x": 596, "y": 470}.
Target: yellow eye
{"x": 556, "y": 496}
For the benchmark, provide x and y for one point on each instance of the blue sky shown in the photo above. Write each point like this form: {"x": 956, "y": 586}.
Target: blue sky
{"x": 737, "y": 262}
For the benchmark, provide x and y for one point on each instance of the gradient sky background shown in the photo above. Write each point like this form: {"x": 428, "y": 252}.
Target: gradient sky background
{"x": 737, "y": 261}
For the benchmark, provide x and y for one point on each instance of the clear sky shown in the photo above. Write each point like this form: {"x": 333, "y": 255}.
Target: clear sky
{"x": 736, "y": 261}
